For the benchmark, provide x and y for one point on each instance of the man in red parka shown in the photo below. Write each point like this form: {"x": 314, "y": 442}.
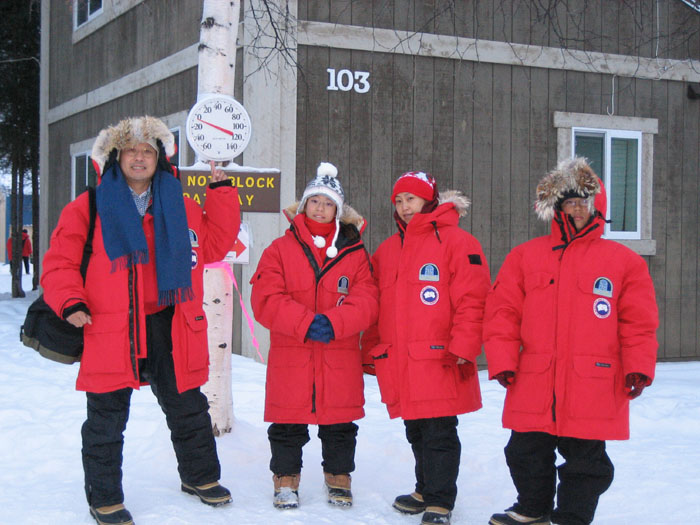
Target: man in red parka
{"x": 570, "y": 331}
{"x": 26, "y": 250}
{"x": 141, "y": 305}
{"x": 314, "y": 290}
{"x": 433, "y": 279}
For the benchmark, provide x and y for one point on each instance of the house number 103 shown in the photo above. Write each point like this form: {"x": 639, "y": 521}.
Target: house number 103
{"x": 345, "y": 80}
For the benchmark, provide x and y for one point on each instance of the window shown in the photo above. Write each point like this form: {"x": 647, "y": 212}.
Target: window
{"x": 175, "y": 159}
{"x": 86, "y": 10}
{"x": 621, "y": 151}
{"x": 84, "y": 173}
{"x": 616, "y": 157}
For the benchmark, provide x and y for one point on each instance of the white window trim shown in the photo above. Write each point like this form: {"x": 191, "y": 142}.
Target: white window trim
{"x": 90, "y": 16}
{"x": 111, "y": 9}
{"x": 566, "y": 122}
{"x": 608, "y": 136}
{"x": 73, "y": 159}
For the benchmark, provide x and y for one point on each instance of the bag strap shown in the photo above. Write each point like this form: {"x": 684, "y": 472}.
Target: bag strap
{"x": 87, "y": 249}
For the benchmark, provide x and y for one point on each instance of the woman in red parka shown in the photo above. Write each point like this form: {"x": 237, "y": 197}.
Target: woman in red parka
{"x": 314, "y": 290}
{"x": 141, "y": 305}
{"x": 433, "y": 279}
{"x": 570, "y": 331}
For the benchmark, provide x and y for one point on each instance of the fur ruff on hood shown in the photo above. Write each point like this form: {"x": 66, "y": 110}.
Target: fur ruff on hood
{"x": 570, "y": 177}
{"x": 130, "y": 132}
{"x": 349, "y": 216}
{"x": 456, "y": 197}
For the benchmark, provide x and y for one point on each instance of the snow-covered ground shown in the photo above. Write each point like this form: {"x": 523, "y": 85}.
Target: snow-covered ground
{"x": 657, "y": 478}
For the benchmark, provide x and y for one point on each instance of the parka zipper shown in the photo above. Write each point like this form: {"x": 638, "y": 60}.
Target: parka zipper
{"x": 318, "y": 274}
{"x": 134, "y": 332}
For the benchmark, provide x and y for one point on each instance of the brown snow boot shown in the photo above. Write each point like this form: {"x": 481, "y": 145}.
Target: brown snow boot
{"x": 286, "y": 491}
{"x": 338, "y": 487}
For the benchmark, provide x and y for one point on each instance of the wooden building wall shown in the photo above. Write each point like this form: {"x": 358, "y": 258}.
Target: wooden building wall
{"x": 487, "y": 129}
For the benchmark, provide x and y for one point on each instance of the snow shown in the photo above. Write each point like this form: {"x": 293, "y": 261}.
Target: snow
{"x": 41, "y": 414}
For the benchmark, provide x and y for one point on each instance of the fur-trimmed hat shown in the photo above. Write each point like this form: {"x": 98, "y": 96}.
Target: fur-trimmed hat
{"x": 418, "y": 183}
{"x": 130, "y": 132}
{"x": 571, "y": 178}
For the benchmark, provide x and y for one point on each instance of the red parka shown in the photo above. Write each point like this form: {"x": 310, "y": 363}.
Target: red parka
{"x": 117, "y": 336}
{"x": 433, "y": 279}
{"x": 26, "y": 246}
{"x": 309, "y": 381}
{"x": 571, "y": 314}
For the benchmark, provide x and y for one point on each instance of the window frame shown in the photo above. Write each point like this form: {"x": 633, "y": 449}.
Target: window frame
{"x": 608, "y": 136}
{"x": 90, "y": 16}
{"x": 74, "y": 164}
{"x": 566, "y": 122}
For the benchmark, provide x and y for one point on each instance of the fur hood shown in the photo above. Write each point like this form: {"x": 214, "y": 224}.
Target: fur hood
{"x": 349, "y": 216}
{"x": 571, "y": 178}
{"x": 456, "y": 197}
{"x": 128, "y": 133}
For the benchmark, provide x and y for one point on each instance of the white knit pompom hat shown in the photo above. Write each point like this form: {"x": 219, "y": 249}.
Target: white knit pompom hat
{"x": 326, "y": 183}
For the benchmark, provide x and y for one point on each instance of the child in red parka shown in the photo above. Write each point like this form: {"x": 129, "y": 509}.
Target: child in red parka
{"x": 314, "y": 290}
{"x": 433, "y": 279}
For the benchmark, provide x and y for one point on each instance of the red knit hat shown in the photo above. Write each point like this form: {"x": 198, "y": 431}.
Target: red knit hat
{"x": 418, "y": 183}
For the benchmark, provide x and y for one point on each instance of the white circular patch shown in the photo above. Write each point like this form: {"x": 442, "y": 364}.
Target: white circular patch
{"x": 602, "y": 308}
{"x": 429, "y": 295}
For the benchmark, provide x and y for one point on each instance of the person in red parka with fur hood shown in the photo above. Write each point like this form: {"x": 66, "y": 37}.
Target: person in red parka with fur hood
{"x": 570, "y": 331}
{"x": 141, "y": 305}
{"x": 433, "y": 279}
{"x": 314, "y": 290}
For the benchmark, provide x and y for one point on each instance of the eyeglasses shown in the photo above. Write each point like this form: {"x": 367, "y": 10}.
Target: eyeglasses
{"x": 146, "y": 153}
{"x": 573, "y": 203}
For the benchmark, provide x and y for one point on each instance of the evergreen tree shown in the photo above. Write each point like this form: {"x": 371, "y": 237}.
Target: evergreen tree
{"x": 19, "y": 118}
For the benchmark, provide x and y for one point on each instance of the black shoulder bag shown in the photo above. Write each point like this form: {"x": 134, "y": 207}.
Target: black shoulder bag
{"x": 55, "y": 338}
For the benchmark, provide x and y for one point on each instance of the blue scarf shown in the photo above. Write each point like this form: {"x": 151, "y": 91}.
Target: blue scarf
{"x": 125, "y": 242}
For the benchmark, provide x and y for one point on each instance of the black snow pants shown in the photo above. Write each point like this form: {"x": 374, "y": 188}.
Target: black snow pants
{"x": 337, "y": 447}
{"x": 586, "y": 473}
{"x": 186, "y": 414}
{"x": 437, "y": 450}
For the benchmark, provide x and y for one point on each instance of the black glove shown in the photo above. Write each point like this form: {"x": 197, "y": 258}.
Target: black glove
{"x": 505, "y": 378}
{"x": 637, "y": 382}
{"x": 320, "y": 329}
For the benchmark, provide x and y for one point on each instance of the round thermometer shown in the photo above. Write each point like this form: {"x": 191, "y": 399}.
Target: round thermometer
{"x": 218, "y": 128}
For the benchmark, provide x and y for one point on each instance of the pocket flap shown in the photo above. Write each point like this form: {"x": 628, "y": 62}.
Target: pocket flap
{"x": 196, "y": 320}
{"x": 537, "y": 280}
{"x": 428, "y": 350}
{"x": 534, "y": 363}
{"x": 594, "y": 366}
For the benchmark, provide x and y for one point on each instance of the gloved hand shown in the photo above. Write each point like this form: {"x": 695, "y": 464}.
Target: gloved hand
{"x": 637, "y": 382}
{"x": 505, "y": 378}
{"x": 320, "y": 329}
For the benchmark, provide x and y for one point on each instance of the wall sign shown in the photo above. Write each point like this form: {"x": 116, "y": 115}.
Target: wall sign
{"x": 257, "y": 192}
{"x": 345, "y": 80}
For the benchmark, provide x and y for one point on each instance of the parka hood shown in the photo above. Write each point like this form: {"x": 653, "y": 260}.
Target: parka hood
{"x": 456, "y": 197}
{"x": 130, "y": 132}
{"x": 571, "y": 178}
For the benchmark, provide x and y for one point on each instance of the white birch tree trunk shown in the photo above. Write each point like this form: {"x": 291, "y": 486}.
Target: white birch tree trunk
{"x": 216, "y": 74}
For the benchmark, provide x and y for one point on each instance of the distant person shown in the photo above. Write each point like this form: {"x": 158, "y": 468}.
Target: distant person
{"x": 433, "y": 279}
{"x": 314, "y": 290}
{"x": 26, "y": 250}
{"x": 141, "y": 306}
{"x": 570, "y": 331}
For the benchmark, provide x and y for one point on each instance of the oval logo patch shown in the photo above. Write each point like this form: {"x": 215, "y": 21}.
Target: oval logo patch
{"x": 602, "y": 308}
{"x": 429, "y": 295}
